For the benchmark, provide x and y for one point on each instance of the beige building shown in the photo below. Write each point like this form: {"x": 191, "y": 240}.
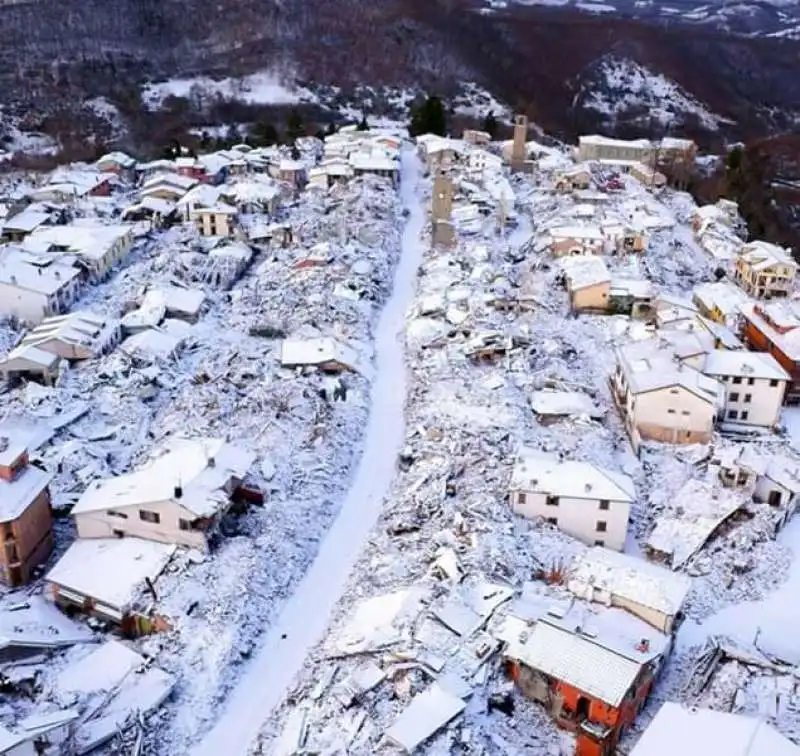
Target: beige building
{"x": 662, "y": 397}
{"x": 585, "y": 501}
{"x": 478, "y": 138}
{"x": 755, "y": 385}
{"x": 597, "y": 147}
{"x": 588, "y": 283}
{"x": 73, "y": 337}
{"x": 217, "y": 220}
{"x": 576, "y": 240}
{"x": 648, "y": 591}
{"x": 765, "y": 271}
{"x": 179, "y": 497}
{"x": 26, "y": 523}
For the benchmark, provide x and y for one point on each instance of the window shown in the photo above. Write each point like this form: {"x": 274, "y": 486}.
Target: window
{"x": 121, "y": 515}
{"x": 552, "y": 501}
{"x": 748, "y": 398}
{"x": 552, "y": 520}
{"x": 673, "y": 391}
{"x": 118, "y": 533}
{"x": 773, "y": 383}
{"x": 744, "y": 415}
{"x": 734, "y": 396}
{"x": 737, "y": 379}
{"x": 599, "y": 543}
{"x": 604, "y": 504}
{"x": 153, "y": 517}
{"x": 733, "y": 415}
{"x": 184, "y": 524}
{"x": 670, "y": 411}
{"x": 751, "y": 381}
{"x": 685, "y": 413}
{"x": 601, "y": 526}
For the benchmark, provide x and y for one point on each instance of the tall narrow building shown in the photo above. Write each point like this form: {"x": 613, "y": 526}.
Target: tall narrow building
{"x": 442, "y": 211}
{"x": 520, "y": 137}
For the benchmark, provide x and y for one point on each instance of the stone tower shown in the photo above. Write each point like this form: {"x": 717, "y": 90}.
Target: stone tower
{"x": 520, "y": 137}
{"x": 442, "y": 211}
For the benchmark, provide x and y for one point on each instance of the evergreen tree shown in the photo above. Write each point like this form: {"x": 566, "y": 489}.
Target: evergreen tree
{"x": 294, "y": 125}
{"x": 331, "y": 128}
{"x": 362, "y": 124}
{"x": 428, "y": 118}
{"x": 264, "y": 134}
{"x": 490, "y": 125}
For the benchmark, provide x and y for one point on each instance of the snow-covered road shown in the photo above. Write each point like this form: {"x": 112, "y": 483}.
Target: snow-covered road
{"x": 305, "y": 617}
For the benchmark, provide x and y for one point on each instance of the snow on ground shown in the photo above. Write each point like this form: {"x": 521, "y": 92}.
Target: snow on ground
{"x": 464, "y": 423}
{"x": 296, "y": 629}
{"x": 475, "y": 101}
{"x": 263, "y": 88}
{"x": 13, "y": 140}
{"x": 596, "y": 7}
{"x": 626, "y": 85}
{"x": 226, "y": 381}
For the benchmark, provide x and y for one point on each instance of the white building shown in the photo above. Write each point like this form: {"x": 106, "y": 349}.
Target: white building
{"x": 178, "y": 497}
{"x": 702, "y": 732}
{"x": 662, "y": 397}
{"x": 585, "y": 501}
{"x": 755, "y": 385}
{"x": 33, "y": 287}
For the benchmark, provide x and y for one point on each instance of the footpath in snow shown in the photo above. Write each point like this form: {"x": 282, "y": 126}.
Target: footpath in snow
{"x": 304, "y": 619}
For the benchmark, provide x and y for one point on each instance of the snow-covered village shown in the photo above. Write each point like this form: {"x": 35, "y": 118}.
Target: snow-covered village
{"x": 379, "y": 444}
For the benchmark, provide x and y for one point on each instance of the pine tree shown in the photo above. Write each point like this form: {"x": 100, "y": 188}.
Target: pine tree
{"x": 294, "y": 125}
{"x": 490, "y": 125}
{"x": 428, "y": 118}
{"x": 331, "y": 128}
{"x": 264, "y": 134}
{"x": 362, "y": 124}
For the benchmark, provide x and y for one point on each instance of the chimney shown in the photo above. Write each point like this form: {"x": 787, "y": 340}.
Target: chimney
{"x": 212, "y": 462}
{"x": 3, "y": 443}
{"x": 588, "y": 487}
{"x": 643, "y": 645}
{"x": 178, "y": 491}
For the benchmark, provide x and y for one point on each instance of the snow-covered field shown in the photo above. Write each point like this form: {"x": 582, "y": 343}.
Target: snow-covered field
{"x": 626, "y": 85}
{"x": 264, "y": 88}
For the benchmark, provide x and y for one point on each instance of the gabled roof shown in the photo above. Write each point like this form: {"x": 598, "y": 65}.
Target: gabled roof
{"x": 744, "y": 364}
{"x": 629, "y": 578}
{"x": 599, "y": 652}
{"x": 540, "y": 472}
{"x": 202, "y": 467}
{"x": 112, "y": 571}
{"x": 761, "y": 255}
{"x": 701, "y": 732}
{"x": 18, "y": 494}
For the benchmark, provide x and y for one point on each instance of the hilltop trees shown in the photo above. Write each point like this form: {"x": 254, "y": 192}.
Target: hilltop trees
{"x": 428, "y": 117}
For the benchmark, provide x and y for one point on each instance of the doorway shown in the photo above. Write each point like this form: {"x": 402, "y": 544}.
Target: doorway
{"x": 582, "y": 709}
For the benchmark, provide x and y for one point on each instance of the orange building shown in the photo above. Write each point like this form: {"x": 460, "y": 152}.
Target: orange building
{"x": 592, "y": 667}
{"x": 26, "y": 523}
{"x": 775, "y": 328}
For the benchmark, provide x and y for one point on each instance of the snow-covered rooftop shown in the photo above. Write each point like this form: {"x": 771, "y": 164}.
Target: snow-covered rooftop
{"x": 600, "y": 653}
{"x": 538, "y": 471}
{"x": 112, "y": 571}
{"x": 700, "y": 732}
{"x": 18, "y": 494}
{"x": 201, "y": 468}
{"x": 744, "y": 364}
{"x": 630, "y": 578}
